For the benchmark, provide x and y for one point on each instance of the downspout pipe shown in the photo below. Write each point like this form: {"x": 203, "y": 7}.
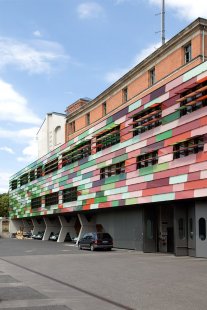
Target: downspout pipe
{"x": 203, "y": 44}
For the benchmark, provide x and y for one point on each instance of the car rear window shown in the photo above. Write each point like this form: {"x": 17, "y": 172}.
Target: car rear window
{"x": 103, "y": 236}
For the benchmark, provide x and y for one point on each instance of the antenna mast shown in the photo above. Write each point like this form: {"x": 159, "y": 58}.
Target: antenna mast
{"x": 163, "y": 22}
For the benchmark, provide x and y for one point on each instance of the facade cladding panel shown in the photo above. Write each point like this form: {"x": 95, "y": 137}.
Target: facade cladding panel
{"x": 181, "y": 128}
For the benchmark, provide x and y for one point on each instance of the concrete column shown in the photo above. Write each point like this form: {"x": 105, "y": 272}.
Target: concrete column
{"x": 38, "y": 225}
{"x": 66, "y": 227}
{"x": 15, "y": 225}
{"x": 86, "y": 226}
{"x": 52, "y": 225}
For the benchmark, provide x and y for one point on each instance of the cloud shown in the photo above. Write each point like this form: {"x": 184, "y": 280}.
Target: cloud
{"x": 35, "y": 57}
{"x": 30, "y": 152}
{"x": 6, "y": 149}
{"x": 21, "y": 135}
{"x": 14, "y": 107}
{"x": 90, "y": 10}
{"x": 113, "y": 76}
{"x": 37, "y": 33}
{"x": 4, "y": 181}
{"x": 187, "y": 9}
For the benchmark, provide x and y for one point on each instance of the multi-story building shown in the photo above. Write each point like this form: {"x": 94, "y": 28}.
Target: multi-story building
{"x": 134, "y": 161}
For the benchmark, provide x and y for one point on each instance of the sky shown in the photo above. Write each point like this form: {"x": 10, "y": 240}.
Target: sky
{"x": 53, "y": 52}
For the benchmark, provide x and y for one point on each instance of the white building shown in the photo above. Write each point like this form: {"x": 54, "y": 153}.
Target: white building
{"x": 51, "y": 133}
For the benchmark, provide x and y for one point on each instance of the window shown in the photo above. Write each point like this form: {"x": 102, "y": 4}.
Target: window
{"x": 51, "y": 199}
{"x": 187, "y": 53}
{"x": 191, "y": 228}
{"x": 57, "y": 135}
{"x": 104, "y": 111}
{"x": 14, "y": 184}
{"x": 24, "y": 179}
{"x": 108, "y": 138}
{"x": 202, "y": 228}
{"x": 81, "y": 151}
{"x": 125, "y": 95}
{"x": 181, "y": 229}
{"x": 193, "y": 99}
{"x": 147, "y": 160}
{"x": 51, "y": 166}
{"x": 185, "y": 148}
{"x": 72, "y": 127}
{"x": 36, "y": 202}
{"x": 32, "y": 175}
{"x": 147, "y": 119}
{"x": 70, "y": 194}
{"x": 87, "y": 119}
{"x": 115, "y": 169}
{"x": 152, "y": 79}
{"x": 39, "y": 172}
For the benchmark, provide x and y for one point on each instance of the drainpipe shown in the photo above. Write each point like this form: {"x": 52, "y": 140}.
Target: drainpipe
{"x": 203, "y": 44}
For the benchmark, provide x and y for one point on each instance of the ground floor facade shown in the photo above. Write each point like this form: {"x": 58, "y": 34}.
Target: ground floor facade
{"x": 177, "y": 227}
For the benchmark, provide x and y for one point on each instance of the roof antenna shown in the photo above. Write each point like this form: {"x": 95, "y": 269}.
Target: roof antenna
{"x": 162, "y": 13}
{"x": 163, "y": 22}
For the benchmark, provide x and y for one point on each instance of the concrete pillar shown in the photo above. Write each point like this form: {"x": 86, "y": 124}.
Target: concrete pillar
{"x": 15, "y": 225}
{"x": 52, "y": 225}
{"x": 86, "y": 226}
{"x": 38, "y": 225}
{"x": 67, "y": 226}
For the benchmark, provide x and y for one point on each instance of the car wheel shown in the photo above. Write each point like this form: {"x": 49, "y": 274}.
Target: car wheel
{"x": 92, "y": 247}
{"x": 79, "y": 246}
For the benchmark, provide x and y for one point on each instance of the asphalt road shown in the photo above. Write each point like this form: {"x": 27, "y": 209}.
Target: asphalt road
{"x": 37, "y": 275}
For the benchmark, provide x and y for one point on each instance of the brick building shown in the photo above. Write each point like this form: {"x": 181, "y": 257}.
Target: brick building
{"x": 134, "y": 161}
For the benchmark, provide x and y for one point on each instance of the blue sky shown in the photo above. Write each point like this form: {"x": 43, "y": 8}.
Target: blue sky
{"x": 53, "y": 52}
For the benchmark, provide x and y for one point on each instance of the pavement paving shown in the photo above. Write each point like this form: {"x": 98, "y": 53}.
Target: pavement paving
{"x": 45, "y": 275}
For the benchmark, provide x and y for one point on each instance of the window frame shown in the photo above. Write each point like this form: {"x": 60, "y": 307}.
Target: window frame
{"x": 52, "y": 199}
{"x": 108, "y": 138}
{"x": 187, "y": 53}
{"x": 152, "y": 76}
{"x": 147, "y": 159}
{"x": 36, "y": 202}
{"x": 88, "y": 121}
{"x": 188, "y": 147}
{"x": 70, "y": 194}
{"x": 112, "y": 170}
{"x": 78, "y": 152}
{"x": 125, "y": 94}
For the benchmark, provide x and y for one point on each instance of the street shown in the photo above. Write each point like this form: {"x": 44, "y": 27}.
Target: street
{"x": 37, "y": 275}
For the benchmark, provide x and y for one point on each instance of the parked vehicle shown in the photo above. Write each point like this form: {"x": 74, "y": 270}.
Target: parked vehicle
{"x": 27, "y": 234}
{"x": 74, "y": 239}
{"x": 38, "y": 236}
{"x": 94, "y": 240}
{"x": 54, "y": 237}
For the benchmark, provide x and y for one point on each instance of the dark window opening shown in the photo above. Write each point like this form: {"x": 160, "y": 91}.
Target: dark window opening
{"x": 32, "y": 175}
{"x": 115, "y": 169}
{"x": 39, "y": 172}
{"x": 193, "y": 99}
{"x": 104, "y": 110}
{"x": 147, "y": 160}
{"x": 36, "y": 202}
{"x": 70, "y": 194}
{"x": 108, "y": 138}
{"x": 88, "y": 119}
{"x": 72, "y": 127}
{"x": 83, "y": 150}
{"x": 24, "y": 179}
{"x": 187, "y": 53}
{"x": 51, "y": 166}
{"x": 185, "y": 148}
{"x": 202, "y": 228}
{"x": 152, "y": 78}
{"x": 51, "y": 199}
{"x": 14, "y": 184}
{"x": 147, "y": 120}
{"x": 125, "y": 94}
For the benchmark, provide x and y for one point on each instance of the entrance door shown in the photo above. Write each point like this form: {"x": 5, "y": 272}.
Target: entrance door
{"x": 180, "y": 224}
{"x": 150, "y": 230}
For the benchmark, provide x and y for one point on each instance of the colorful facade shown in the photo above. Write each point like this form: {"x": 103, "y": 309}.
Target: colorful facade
{"x": 139, "y": 171}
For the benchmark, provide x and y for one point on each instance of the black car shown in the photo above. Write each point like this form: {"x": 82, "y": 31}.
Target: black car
{"x": 96, "y": 240}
